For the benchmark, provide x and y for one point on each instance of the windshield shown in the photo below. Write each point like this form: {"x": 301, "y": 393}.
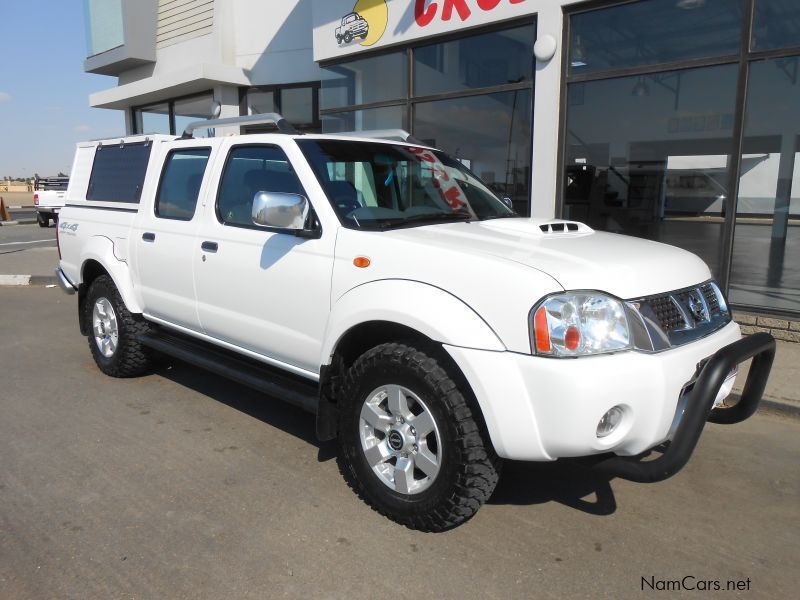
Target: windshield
{"x": 379, "y": 186}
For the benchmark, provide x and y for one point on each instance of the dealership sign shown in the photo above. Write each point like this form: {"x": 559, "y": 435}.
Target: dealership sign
{"x": 345, "y": 27}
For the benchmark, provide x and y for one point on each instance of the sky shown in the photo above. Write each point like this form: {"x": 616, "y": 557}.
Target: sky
{"x": 44, "y": 92}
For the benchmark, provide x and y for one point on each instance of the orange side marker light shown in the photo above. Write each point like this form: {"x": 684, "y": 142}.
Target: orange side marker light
{"x": 362, "y": 262}
{"x": 541, "y": 331}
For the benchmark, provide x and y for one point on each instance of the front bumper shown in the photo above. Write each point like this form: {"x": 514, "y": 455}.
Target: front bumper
{"x": 539, "y": 408}
{"x": 700, "y": 408}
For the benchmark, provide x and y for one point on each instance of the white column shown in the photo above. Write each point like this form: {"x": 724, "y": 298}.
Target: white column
{"x": 546, "y": 104}
{"x": 228, "y": 97}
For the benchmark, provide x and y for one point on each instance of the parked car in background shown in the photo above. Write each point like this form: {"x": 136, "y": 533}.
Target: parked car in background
{"x": 49, "y": 195}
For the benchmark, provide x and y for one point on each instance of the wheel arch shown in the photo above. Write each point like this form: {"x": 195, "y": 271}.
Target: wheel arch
{"x": 421, "y": 307}
{"x": 96, "y": 260}
{"x": 361, "y": 338}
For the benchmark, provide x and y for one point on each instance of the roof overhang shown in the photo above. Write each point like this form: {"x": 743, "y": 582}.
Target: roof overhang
{"x": 197, "y": 78}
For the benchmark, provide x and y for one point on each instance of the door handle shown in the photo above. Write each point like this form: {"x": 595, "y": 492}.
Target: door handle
{"x": 149, "y": 237}
{"x": 209, "y": 246}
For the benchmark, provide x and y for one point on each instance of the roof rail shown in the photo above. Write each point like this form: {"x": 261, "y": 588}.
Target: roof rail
{"x": 395, "y": 135}
{"x": 262, "y": 119}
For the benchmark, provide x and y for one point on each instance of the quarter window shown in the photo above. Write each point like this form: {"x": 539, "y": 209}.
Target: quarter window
{"x": 118, "y": 172}
{"x": 249, "y": 170}
{"x": 180, "y": 183}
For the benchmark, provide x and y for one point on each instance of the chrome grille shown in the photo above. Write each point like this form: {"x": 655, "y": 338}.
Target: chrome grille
{"x": 667, "y": 313}
{"x": 681, "y": 316}
{"x": 711, "y": 299}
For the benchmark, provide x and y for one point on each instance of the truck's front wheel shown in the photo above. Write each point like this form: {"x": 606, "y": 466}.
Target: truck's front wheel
{"x": 409, "y": 442}
{"x": 114, "y": 331}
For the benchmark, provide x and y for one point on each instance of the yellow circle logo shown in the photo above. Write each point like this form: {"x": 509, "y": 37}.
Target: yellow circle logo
{"x": 376, "y": 13}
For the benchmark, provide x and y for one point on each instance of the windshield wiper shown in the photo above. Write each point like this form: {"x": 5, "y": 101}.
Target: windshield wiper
{"x": 507, "y": 216}
{"x": 430, "y": 217}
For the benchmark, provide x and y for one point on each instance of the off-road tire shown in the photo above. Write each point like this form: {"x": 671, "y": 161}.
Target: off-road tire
{"x": 347, "y": 37}
{"x": 469, "y": 466}
{"x": 130, "y": 358}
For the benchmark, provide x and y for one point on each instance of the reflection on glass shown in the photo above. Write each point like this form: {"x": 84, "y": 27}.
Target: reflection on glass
{"x": 104, "y": 30}
{"x": 152, "y": 119}
{"x": 648, "y": 156}
{"x": 193, "y": 109}
{"x": 297, "y": 105}
{"x": 375, "y": 79}
{"x": 489, "y": 59}
{"x": 653, "y": 31}
{"x": 777, "y": 24}
{"x": 391, "y": 117}
{"x": 766, "y": 254}
{"x": 490, "y": 134}
{"x": 259, "y": 102}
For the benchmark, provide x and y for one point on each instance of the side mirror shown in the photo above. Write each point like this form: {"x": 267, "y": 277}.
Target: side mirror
{"x": 508, "y": 202}
{"x": 280, "y": 210}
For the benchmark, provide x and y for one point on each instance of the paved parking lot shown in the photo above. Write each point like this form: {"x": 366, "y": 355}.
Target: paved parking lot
{"x": 183, "y": 485}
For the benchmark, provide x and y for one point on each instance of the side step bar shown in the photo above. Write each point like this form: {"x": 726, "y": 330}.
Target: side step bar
{"x": 253, "y": 374}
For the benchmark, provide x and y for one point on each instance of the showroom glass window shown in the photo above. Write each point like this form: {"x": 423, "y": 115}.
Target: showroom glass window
{"x": 472, "y": 96}
{"x": 171, "y": 116}
{"x": 297, "y": 103}
{"x": 661, "y": 138}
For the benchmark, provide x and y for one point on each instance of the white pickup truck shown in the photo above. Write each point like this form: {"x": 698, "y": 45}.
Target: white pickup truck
{"x": 381, "y": 285}
{"x": 49, "y": 195}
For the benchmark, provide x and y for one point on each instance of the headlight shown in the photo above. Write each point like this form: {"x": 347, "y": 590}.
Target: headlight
{"x": 579, "y": 324}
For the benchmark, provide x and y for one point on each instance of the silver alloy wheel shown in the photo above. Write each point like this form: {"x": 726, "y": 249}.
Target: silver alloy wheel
{"x": 105, "y": 327}
{"x": 400, "y": 439}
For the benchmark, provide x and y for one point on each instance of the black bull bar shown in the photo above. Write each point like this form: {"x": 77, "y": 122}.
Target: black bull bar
{"x": 700, "y": 409}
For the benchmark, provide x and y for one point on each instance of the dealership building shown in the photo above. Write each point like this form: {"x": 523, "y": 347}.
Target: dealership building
{"x": 673, "y": 120}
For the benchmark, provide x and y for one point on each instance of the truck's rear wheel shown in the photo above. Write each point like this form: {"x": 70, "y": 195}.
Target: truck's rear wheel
{"x": 409, "y": 443}
{"x": 42, "y": 220}
{"x": 114, "y": 331}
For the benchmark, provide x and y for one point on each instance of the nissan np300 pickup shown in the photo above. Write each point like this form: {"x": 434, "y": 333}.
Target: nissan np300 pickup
{"x": 381, "y": 285}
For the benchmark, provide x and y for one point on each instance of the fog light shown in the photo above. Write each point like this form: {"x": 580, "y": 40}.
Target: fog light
{"x": 609, "y": 422}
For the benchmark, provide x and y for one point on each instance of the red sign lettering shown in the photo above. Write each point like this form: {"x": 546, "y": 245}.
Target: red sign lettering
{"x": 460, "y": 5}
{"x": 423, "y": 15}
{"x": 425, "y": 11}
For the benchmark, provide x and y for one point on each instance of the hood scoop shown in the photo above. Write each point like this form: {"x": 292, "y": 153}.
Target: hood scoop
{"x": 561, "y": 227}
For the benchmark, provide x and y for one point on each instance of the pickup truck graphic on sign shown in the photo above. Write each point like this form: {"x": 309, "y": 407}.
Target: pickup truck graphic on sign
{"x": 353, "y": 26}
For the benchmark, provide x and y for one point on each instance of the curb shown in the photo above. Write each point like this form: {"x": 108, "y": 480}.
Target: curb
{"x": 25, "y": 280}
{"x": 788, "y": 409}
{"x": 771, "y": 404}
{"x": 19, "y": 222}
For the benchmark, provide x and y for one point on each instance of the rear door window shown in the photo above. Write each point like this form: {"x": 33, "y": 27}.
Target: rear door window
{"x": 180, "y": 183}
{"x": 118, "y": 172}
